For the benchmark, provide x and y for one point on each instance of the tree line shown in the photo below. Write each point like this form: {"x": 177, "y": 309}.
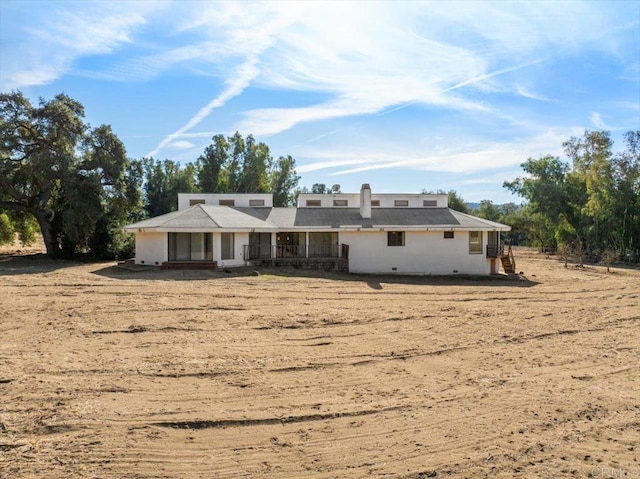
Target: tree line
{"x": 587, "y": 205}
{"x": 228, "y": 165}
{"x": 74, "y": 185}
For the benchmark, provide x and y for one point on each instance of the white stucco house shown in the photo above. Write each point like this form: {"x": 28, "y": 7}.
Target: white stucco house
{"x": 361, "y": 232}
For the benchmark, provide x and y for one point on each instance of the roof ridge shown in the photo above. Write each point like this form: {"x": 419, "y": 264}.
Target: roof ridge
{"x": 178, "y": 214}
{"x": 207, "y": 213}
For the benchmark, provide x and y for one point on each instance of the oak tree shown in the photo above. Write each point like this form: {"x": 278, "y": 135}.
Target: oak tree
{"x": 75, "y": 180}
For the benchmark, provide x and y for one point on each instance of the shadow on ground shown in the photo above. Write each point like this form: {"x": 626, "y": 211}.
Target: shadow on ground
{"x": 16, "y": 264}
{"x": 12, "y": 264}
{"x": 376, "y": 282}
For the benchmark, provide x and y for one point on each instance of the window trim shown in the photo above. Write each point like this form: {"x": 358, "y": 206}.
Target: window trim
{"x": 401, "y": 203}
{"x": 227, "y": 202}
{"x": 400, "y": 238}
{"x": 256, "y": 202}
{"x": 449, "y": 235}
{"x": 313, "y": 203}
{"x": 341, "y": 203}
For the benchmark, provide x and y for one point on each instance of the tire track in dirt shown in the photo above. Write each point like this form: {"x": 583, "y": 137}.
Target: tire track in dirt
{"x": 485, "y": 385}
{"x": 225, "y": 423}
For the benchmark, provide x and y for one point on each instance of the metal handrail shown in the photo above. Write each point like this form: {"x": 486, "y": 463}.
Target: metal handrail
{"x": 324, "y": 251}
{"x": 495, "y": 250}
{"x": 252, "y": 252}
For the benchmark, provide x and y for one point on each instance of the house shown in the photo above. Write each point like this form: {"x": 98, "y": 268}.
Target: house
{"x": 359, "y": 232}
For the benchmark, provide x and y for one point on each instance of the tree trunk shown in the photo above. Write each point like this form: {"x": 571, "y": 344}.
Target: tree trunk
{"x": 50, "y": 242}
{"x": 45, "y": 221}
{"x": 580, "y": 252}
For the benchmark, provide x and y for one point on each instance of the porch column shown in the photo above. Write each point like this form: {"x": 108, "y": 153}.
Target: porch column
{"x": 306, "y": 244}
{"x": 274, "y": 242}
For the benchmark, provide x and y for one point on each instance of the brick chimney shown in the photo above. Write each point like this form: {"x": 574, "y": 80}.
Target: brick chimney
{"x": 365, "y": 201}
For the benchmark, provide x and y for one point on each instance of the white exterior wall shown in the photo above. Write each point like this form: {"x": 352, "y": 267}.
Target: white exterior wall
{"x": 151, "y": 248}
{"x": 386, "y": 200}
{"x": 240, "y": 239}
{"x": 415, "y": 201}
{"x": 424, "y": 253}
{"x": 326, "y": 200}
{"x": 240, "y": 199}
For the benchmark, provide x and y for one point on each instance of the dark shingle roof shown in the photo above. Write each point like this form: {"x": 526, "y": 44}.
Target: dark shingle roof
{"x": 336, "y": 217}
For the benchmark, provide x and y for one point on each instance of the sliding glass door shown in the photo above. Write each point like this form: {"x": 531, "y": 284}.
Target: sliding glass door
{"x": 190, "y": 247}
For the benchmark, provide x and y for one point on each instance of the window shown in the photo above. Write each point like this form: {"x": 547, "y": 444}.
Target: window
{"x": 395, "y": 238}
{"x": 227, "y": 202}
{"x": 340, "y": 203}
{"x": 196, "y": 202}
{"x": 190, "y": 247}
{"x": 323, "y": 244}
{"x": 256, "y": 202}
{"x": 430, "y": 203}
{"x": 227, "y": 240}
{"x": 375, "y": 203}
{"x": 401, "y": 203}
{"x": 448, "y": 235}
{"x": 475, "y": 242}
{"x": 313, "y": 203}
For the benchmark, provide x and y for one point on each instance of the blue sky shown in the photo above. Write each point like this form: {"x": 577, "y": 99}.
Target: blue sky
{"x": 404, "y": 96}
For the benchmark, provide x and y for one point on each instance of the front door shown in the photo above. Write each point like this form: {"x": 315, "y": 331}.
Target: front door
{"x": 493, "y": 241}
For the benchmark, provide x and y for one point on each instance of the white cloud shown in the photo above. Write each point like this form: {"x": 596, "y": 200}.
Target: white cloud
{"x": 246, "y": 35}
{"x": 473, "y": 157}
{"x": 404, "y": 54}
{"x": 321, "y": 165}
{"x": 598, "y": 122}
{"x": 197, "y": 134}
{"x": 628, "y": 105}
{"x": 478, "y": 181}
{"x": 181, "y": 145}
{"x": 357, "y": 59}
{"x": 522, "y": 91}
{"x": 201, "y": 55}
{"x": 48, "y": 47}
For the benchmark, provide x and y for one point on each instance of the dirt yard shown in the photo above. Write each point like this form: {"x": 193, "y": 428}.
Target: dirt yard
{"x": 112, "y": 373}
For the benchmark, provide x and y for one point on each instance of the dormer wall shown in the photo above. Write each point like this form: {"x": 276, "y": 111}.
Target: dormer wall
{"x": 382, "y": 200}
{"x": 240, "y": 200}
{"x": 317, "y": 200}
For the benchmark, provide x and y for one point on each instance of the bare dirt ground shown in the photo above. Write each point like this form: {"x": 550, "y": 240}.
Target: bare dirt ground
{"x": 110, "y": 373}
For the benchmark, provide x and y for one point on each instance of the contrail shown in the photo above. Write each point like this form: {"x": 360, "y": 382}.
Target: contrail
{"x": 489, "y": 75}
{"x": 454, "y": 87}
{"x": 247, "y": 72}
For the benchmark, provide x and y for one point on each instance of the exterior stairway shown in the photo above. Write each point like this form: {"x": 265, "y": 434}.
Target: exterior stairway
{"x": 508, "y": 261}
